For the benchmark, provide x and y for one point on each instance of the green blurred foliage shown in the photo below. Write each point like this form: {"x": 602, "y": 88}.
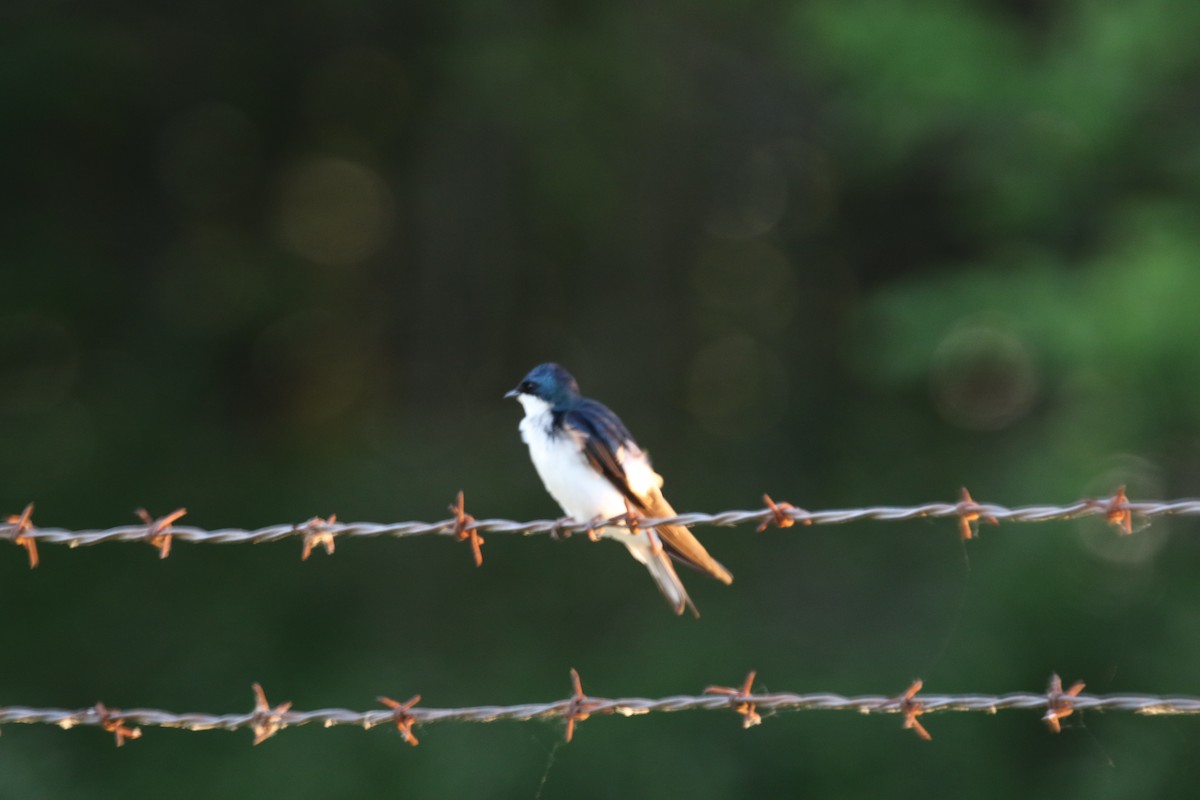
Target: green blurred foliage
{"x": 283, "y": 260}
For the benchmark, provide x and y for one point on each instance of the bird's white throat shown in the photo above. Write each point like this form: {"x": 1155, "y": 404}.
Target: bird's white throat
{"x": 534, "y": 406}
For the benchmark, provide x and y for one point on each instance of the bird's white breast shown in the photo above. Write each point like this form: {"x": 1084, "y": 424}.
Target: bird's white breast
{"x": 581, "y": 491}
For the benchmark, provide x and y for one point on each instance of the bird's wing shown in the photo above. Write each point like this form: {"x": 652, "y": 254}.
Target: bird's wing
{"x": 606, "y": 442}
{"x": 680, "y": 542}
{"x": 602, "y": 436}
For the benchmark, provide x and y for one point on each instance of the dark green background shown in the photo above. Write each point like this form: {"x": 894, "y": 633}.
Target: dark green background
{"x": 276, "y": 260}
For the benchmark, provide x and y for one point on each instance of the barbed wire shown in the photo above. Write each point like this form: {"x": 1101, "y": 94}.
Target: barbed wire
{"x": 1118, "y": 510}
{"x": 266, "y": 720}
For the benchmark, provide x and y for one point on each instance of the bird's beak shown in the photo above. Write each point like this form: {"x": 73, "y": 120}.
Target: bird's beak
{"x": 512, "y": 393}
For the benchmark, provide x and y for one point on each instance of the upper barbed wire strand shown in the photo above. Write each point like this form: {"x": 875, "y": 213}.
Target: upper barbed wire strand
{"x": 450, "y": 527}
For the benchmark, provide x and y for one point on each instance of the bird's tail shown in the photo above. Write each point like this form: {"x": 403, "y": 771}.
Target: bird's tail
{"x": 654, "y": 556}
{"x": 681, "y": 544}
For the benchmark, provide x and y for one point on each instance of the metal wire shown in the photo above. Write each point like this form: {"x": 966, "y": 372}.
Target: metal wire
{"x": 266, "y": 721}
{"x": 964, "y": 511}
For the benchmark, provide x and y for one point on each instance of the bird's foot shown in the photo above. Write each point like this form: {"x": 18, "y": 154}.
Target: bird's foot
{"x": 593, "y": 532}
{"x": 633, "y": 519}
{"x": 557, "y": 533}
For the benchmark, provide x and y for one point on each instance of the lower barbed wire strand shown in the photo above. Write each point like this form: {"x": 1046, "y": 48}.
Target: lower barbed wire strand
{"x": 634, "y": 706}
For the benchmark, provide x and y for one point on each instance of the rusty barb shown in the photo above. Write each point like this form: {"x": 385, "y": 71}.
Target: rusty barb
{"x": 1060, "y": 704}
{"x": 578, "y": 708}
{"x": 401, "y": 716}
{"x": 1118, "y": 510}
{"x": 112, "y": 721}
{"x": 1118, "y": 514}
{"x": 318, "y": 531}
{"x": 465, "y": 529}
{"x": 158, "y": 531}
{"x": 266, "y": 720}
{"x": 783, "y": 515}
{"x": 740, "y": 700}
{"x": 22, "y": 524}
{"x": 912, "y": 708}
{"x": 969, "y": 517}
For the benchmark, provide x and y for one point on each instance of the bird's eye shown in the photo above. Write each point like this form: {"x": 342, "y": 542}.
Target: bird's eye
{"x": 528, "y": 387}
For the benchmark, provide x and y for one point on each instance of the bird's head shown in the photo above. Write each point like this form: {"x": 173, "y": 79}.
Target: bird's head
{"x": 548, "y": 383}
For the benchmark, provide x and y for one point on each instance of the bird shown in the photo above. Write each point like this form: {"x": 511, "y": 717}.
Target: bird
{"x": 593, "y": 468}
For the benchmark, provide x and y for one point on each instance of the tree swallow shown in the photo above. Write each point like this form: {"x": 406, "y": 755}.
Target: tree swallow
{"x": 593, "y": 468}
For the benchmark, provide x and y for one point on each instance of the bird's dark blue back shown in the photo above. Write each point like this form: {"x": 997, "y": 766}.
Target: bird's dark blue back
{"x": 596, "y": 419}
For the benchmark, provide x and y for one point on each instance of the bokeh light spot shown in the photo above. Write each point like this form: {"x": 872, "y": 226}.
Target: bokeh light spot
{"x": 754, "y": 199}
{"x": 983, "y": 376}
{"x": 1143, "y": 480}
{"x": 334, "y": 212}
{"x": 737, "y": 388}
{"x": 746, "y": 280}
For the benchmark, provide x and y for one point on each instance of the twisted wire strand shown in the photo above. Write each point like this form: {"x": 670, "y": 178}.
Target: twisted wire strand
{"x": 561, "y": 527}
{"x": 627, "y": 707}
